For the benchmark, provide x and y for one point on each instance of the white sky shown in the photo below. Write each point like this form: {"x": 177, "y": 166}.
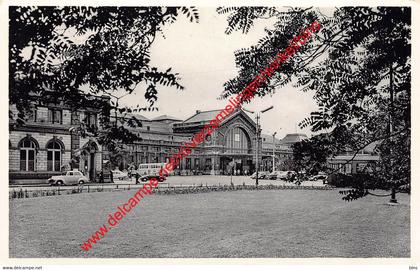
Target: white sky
{"x": 203, "y": 55}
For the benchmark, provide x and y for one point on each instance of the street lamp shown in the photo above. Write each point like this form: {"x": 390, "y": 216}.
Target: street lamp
{"x": 257, "y": 116}
{"x": 215, "y": 153}
{"x": 274, "y": 151}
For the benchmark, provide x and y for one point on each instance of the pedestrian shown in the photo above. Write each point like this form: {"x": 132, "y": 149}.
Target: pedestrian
{"x": 137, "y": 178}
{"x": 101, "y": 177}
{"x": 112, "y": 176}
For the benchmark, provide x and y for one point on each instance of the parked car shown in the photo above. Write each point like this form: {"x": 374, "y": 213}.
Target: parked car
{"x": 261, "y": 175}
{"x": 319, "y": 176}
{"x": 70, "y": 178}
{"x": 277, "y": 175}
{"x": 272, "y": 176}
{"x": 145, "y": 178}
{"x": 119, "y": 175}
{"x": 291, "y": 175}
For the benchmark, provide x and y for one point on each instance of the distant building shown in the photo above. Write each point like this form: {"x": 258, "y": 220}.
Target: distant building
{"x": 350, "y": 162}
{"x": 293, "y": 138}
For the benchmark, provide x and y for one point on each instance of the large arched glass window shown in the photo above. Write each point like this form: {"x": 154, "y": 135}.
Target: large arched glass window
{"x": 27, "y": 154}
{"x": 53, "y": 156}
{"x": 237, "y": 141}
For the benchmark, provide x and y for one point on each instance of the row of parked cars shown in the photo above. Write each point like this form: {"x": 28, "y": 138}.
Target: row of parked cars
{"x": 288, "y": 175}
{"x": 76, "y": 177}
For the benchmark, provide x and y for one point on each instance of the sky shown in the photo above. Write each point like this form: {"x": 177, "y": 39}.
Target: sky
{"x": 203, "y": 55}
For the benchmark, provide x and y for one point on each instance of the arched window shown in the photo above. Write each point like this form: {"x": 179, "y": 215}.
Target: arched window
{"x": 53, "y": 156}
{"x": 27, "y": 154}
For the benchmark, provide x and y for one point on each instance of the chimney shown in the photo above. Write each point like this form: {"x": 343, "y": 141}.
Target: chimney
{"x": 197, "y": 111}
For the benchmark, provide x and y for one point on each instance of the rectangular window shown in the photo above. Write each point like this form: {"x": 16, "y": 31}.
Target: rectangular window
{"x": 57, "y": 157}
{"x": 75, "y": 118}
{"x": 49, "y": 161}
{"x": 32, "y": 116}
{"x": 55, "y": 116}
{"x": 31, "y": 160}
{"x": 188, "y": 163}
{"x": 348, "y": 168}
{"x": 208, "y": 164}
{"x": 91, "y": 119}
{"x": 23, "y": 160}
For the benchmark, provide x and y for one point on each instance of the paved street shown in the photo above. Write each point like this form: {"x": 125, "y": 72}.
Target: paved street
{"x": 179, "y": 181}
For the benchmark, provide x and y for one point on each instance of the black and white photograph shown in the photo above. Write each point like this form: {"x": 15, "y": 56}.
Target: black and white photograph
{"x": 208, "y": 132}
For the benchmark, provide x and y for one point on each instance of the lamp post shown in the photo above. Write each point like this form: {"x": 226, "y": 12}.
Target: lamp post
{"x": 215, "y": 153}
{"x": 257, "y": 148}
{"x": 274, "y": 151}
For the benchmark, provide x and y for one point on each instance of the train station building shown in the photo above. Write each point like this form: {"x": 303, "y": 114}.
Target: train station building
{"x": 46, "y": 145}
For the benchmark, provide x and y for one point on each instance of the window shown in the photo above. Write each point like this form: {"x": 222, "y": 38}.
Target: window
{"x": 360, "y": 167}
{"x": 237, "y": 137}
{"x": 55, "y": 116}
{"x": 53, "y": 156}
{"x": 237, "y": 141}
{"x": 348, "y": 168}
{"x": 75, "y": 118}
{"x": 188, "y": 163}
{"x": 32, "y": 116}
{"x": 27, "y": 154}
{"x": 91, "y": 119}
{"x": 208, "y": 164}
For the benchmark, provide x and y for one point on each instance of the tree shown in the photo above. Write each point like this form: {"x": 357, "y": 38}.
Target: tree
{"x": 357, "y": 66}
{"x": 49, "y": 66}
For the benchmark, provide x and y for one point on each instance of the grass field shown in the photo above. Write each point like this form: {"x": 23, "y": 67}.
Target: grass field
{"x": 277, "y": 223}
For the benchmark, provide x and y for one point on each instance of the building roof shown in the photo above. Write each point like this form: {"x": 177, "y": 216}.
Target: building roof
{"x": 202, "y": 116}
{"x": 357, "y": 157}
{"x": 165, "y": 117}
{"x": 129, "y": 115}
{"x": 293, "y": 138}
{"x": 269, "y": 139}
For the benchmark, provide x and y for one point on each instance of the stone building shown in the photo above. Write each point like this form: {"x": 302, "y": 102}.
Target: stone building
{"x": 229, "y": 149}
{"x": 47, "y": 145}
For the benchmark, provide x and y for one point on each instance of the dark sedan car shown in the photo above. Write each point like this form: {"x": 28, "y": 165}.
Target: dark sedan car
{"x": 261, "y": 175}
{"x": 145, "y": 178}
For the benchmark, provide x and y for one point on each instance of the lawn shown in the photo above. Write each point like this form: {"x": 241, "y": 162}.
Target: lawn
{"x": 270, "y": 223}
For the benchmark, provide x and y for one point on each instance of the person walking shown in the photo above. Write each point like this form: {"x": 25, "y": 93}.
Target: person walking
{"x": 112, "y": 176}
{"x": 101, "y": 177}
{"x": 137, "y": 178}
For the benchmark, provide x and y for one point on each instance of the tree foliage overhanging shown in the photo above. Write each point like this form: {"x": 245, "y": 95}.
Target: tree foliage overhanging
{"x": 358, "y": 69}
{"x": 48, "y": 64}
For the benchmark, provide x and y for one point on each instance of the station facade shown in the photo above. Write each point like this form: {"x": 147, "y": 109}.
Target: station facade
{"x": 46, "y": 145}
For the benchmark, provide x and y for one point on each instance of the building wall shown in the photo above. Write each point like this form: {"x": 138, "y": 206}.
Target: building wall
{"x": 41, "y": 157}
